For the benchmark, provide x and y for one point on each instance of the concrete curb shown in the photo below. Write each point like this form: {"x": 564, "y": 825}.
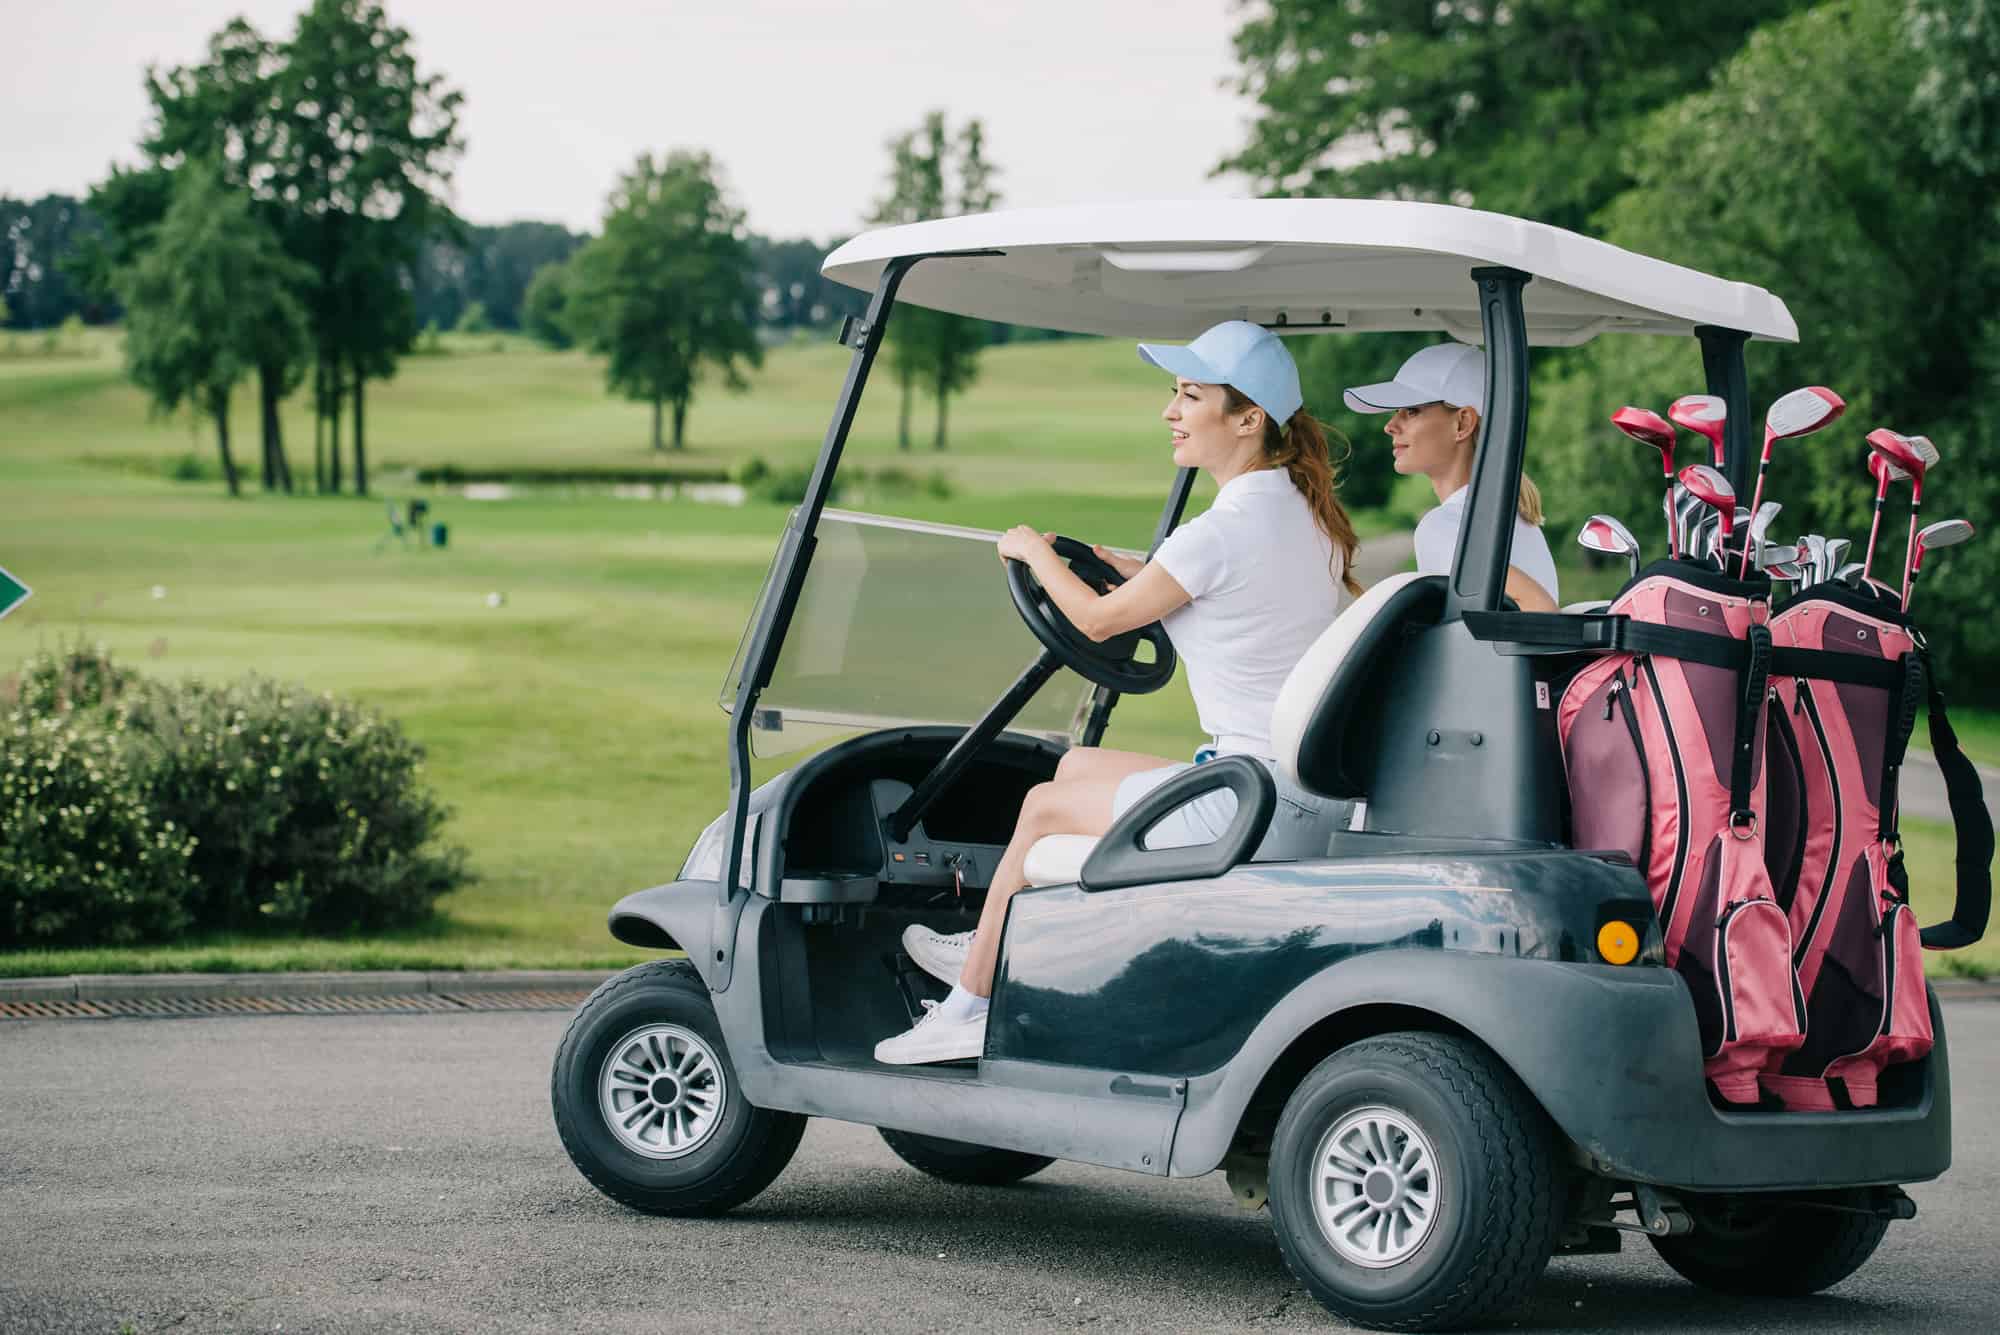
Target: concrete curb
{"x": 394, "y": 983}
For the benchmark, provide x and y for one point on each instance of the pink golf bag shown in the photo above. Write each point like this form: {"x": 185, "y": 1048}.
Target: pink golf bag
{"x": 1848, "y": 676}
{"x": 1663, "y": 745}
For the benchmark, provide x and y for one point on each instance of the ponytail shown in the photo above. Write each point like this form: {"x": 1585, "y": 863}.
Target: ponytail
{"x": 1530, "y": 505}
{"x": 1301, "y": 448}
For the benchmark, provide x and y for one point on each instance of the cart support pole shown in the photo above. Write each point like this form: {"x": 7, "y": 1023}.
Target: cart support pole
{"x": 1486, "y": 538}
{"x": 1722, "y": 361}
{"x": 767, "y": 636}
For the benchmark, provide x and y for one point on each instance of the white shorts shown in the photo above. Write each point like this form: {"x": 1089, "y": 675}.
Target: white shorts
{"x": 1202, "y": 820}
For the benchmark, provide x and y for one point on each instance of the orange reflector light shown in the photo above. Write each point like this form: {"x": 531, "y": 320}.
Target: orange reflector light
{"x": 1617, "y": 942}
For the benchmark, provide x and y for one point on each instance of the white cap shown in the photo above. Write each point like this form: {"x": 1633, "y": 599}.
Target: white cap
{"x": 1449, "y": 373}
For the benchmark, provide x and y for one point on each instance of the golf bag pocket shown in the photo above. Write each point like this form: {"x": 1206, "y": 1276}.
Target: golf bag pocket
{"x": 1663, "y": 750}
{"x": 1867, "y": 1008}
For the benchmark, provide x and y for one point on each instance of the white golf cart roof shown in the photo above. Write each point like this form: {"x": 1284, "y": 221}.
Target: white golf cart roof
{"x": 1170, "y": 270}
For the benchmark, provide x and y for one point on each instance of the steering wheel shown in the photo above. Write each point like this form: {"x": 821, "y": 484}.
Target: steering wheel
{"x": 1110, "y": 664}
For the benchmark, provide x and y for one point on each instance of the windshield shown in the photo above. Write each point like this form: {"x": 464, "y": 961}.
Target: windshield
{"x": 899, "y": 622}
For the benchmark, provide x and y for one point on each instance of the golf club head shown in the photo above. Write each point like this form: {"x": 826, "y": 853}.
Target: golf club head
{"x": 1880, "y": 464}
{"x": 1645, "y": 426}
{"x": 1802, "y": 411}
{"x": 1774, "y": 556}
{"x": 1910, "y": 456}
{"x": 1836, "y": 552}
{"x": 1944, "y": 533}
{"x": 1703, "y": 414}
{"x": 1849, "y": 574}
{"x": 1707, "y": 485}
{"x": 1786, "y": 570}
{"x": 1603, "y": 533}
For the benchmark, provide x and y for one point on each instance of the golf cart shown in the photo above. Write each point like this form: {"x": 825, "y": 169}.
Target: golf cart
{"x": 1439, "y": 1042}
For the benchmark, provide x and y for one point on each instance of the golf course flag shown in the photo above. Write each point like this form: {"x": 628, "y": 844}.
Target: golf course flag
{"x": 12, "y": 592}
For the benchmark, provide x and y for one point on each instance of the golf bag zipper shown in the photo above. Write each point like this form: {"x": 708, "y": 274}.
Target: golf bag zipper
{"x": 1671, "y": 900}
{"x": 1631, "y": 716}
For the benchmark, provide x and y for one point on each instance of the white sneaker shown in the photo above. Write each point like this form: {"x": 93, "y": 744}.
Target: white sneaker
{"x": 940, "y": 956}
{"x": 933, "y": 1039}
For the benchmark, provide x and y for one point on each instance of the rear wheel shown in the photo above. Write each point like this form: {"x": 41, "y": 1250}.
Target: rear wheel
{"x": 1414, "y": 1183}
{"x": 956, "y": 1161}
{"x": 647, "y": 1103}
{"x": 1764, "y": 1248}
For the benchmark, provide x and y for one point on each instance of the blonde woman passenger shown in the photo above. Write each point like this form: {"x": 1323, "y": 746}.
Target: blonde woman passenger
{"x": 1433, "y": 406}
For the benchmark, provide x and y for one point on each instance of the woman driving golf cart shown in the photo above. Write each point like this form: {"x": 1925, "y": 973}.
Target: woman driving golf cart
{"x": 1243, "y": 590}
{"x": 1433, "y": 406}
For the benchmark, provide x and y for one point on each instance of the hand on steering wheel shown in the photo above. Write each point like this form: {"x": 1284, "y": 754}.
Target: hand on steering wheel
{"x": 1111, "y": 664}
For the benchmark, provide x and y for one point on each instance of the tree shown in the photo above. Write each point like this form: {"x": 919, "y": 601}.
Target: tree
{"x": 35, "y": 236}
{"x": 667, "y": 290}
{"x": 933, "y": 348}
{"x": 205, "y": 300}
{"x": 1524, "y": 107}
{"x": 1892, "y": 288}
{"x": 362, "y": 159}
{"x": 544, "y": 308}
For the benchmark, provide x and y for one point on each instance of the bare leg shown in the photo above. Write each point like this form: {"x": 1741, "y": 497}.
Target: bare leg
{"x": 1077, "y": 801}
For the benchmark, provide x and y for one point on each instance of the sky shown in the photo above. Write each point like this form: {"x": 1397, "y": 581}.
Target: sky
{"x": 1082, "y": 100}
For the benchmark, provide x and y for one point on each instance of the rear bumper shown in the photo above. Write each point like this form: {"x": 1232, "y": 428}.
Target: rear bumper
{"x": 1613, "y": 1055}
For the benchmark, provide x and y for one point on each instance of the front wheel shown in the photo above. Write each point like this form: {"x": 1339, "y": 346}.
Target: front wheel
{"x": 956, "y": 1161}
{"x": 647, "y": 1103}
{"x": 1772, "y": 1248}
{"x": 1414, "y": 1183}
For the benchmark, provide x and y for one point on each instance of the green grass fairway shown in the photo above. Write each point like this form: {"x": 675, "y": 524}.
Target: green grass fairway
{"x": 575, "y": 730}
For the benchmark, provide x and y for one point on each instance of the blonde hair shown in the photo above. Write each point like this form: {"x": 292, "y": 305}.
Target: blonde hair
{"x": 1529, "y": 506}
{"x": 1301, "y": 448}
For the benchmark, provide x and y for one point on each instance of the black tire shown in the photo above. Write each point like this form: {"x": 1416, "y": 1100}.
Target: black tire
{"x": 1493, "y": 1188}
{"x": 956, "y": 1161}
{"x": 1771, "y": 1249}
{"x": 739, "y": 1152}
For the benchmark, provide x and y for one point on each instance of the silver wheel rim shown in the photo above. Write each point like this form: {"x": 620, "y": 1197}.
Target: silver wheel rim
{"x": 662, "y": 1091}
{"x": 1375, "y": 1187}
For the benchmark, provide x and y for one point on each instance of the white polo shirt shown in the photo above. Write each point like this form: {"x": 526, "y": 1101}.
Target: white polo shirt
{"x": 1265, "y": 581}
{"x": 1437, "y": 543}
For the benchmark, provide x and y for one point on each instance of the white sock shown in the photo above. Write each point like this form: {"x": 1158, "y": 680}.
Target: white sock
{"x": 962, "y": 1005}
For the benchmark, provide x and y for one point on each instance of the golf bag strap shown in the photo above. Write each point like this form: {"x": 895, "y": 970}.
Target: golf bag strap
{"x": 1749, "y": 723}
{"x": 1902, "y": 721}
{"x": 1611, "y": 634}
{"x": 1974, "y": 826}
{"x": 1832, "y": 665}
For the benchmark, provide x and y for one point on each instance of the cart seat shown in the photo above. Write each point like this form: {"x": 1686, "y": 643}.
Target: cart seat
{"x": 1314, "y": 707}
{"x": 1057, "y": 859}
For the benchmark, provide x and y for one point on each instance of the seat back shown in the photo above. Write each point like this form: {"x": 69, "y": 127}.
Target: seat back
{"x": 1321, "y": 726}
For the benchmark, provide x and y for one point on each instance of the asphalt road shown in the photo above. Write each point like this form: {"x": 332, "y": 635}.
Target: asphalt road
{"x": 344, "y": 1173}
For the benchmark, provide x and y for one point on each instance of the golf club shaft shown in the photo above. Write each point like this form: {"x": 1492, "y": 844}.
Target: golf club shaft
{"x": 1756, "y": 496}
{"x": 1875, "y": 526}
{"x": 1910, "y": 547}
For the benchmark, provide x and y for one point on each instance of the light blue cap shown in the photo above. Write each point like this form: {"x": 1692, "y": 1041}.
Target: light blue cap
{"x": 1238, "y": 353}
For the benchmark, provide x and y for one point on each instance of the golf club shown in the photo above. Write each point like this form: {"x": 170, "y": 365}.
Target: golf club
{"x": 1944, "y": 533}
{"x": 1707, "y": 485}
{"x": 1603, "y": 533}
{"x": 1703, "y": 414}
{"x": 1654, "y": 432}
{"x": 1884, "y": 470}
{"x": 1794, "y": 414}
{"x": 1760, "y": 524}
{"x": 1916, "y": 456}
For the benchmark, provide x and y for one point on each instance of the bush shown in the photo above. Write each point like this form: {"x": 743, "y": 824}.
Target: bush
{"x": 298, "y": 811}
{"x": 309, "y": 809}
{"x": 78, "y": 676}
{"x": 85, "y": 858}
{"x": 474, "y": 320}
